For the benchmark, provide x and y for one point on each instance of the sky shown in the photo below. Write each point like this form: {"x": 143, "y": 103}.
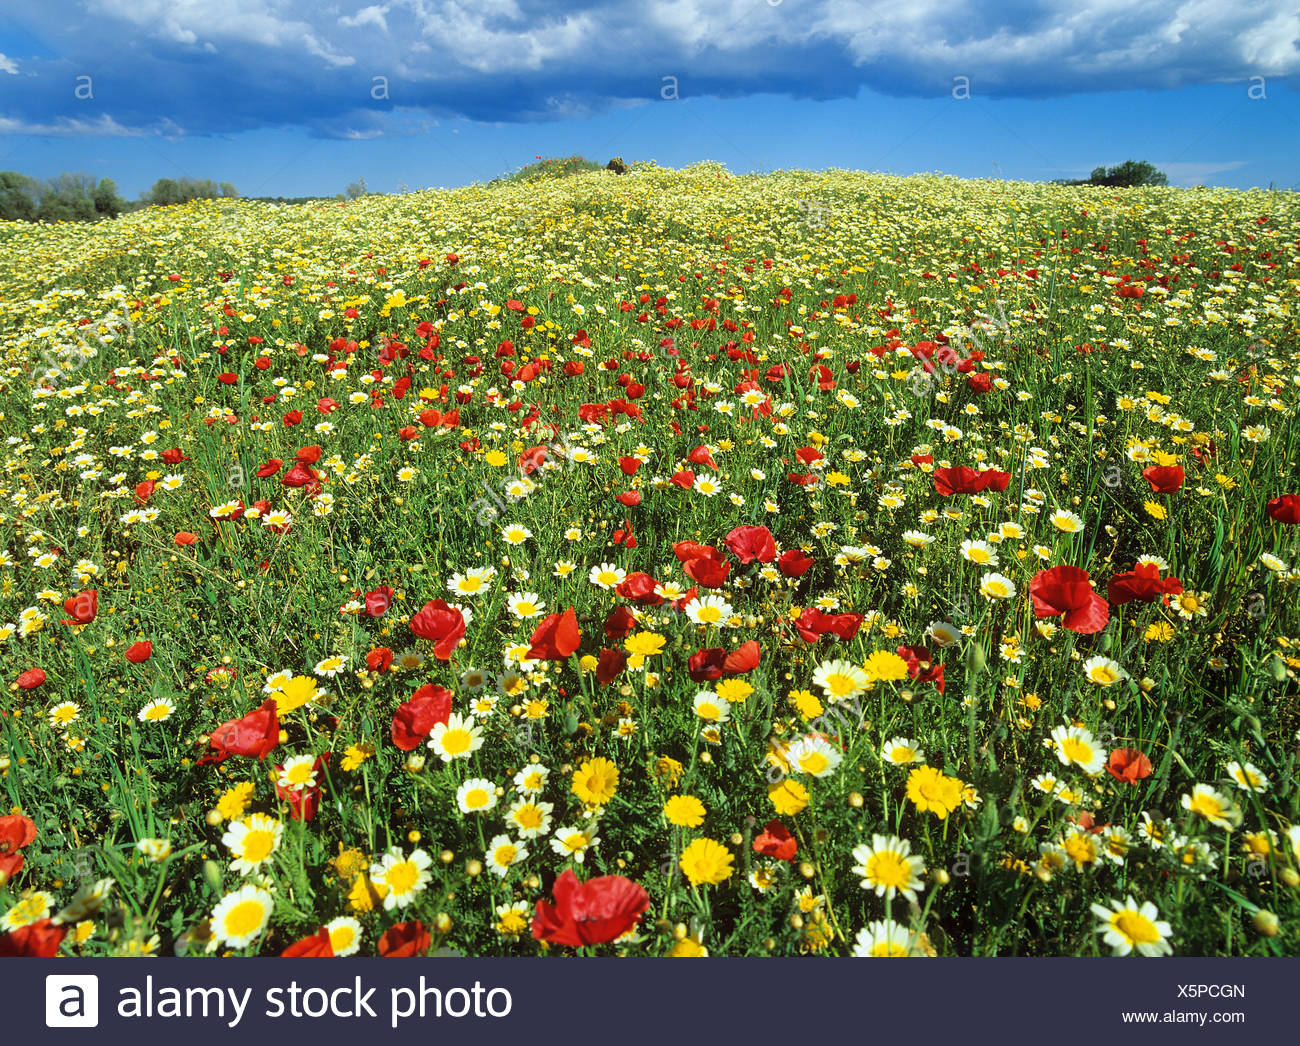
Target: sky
{"x": 293, "y": 98}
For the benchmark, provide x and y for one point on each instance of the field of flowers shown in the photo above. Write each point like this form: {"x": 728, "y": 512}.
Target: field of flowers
{"x": 662, "y": 564}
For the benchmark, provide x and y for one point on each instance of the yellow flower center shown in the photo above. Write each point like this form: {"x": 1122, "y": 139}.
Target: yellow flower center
{"x": 402, "y": 876}
{"x": 1207, "y": 806}
{"x": 1080, "y": 849}
{"x": 814, "y": 763}
{"x": 889, "y": 870}
{"x": 1136, "y": 927}
{"x": 300, "y": 774}
{"x": 454, "y": 742}
{"x": 244, "y": 918}
{"x": 258, "y": 845}
{"x": 1075, "y": 750}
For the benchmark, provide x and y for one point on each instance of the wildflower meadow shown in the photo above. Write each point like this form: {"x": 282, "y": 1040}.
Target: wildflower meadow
{"x": 666, "y": 563}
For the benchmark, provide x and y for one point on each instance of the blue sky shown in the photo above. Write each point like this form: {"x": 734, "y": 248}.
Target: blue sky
{"x": 285, "y": 97}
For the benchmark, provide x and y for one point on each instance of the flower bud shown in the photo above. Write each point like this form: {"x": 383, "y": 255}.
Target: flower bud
{"x": 1265, "y": 922}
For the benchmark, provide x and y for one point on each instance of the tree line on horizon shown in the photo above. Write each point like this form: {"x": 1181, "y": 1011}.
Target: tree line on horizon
{"x": 81, "y": 197}
{"x": 1128, "y": 175}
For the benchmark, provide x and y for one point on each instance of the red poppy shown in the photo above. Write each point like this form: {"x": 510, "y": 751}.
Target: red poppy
{"x": 1128, "y": 764}
{"x": 380, "y": 659}
{"x": 184, "y": 537}
{"x": 83, "y": 607}
{"x": 629, "y": 498}
{"x": 442, "y": 625}
{"x": 701, "y": 456}
{"x": 173, "y": 456}
{"x": 415, "y": 718}
{"x": 1164, "y": 479}
{"x": 1142, "y": 582}
{"x": 1065, "y": 590}
{"x": 532, "y": 459}
{"x": 594, "y": 912}
{"x": 919, "y": 666}
{"x": 1285, "y": 509}
{"x": 749, "y": 543}
{"x": 793, "y": 563}
{"x": 38, "y": 940}
{"x": 684, "y": 479}
{"x": 963, "y": 480}
{"x": 300, "y": 475}
{"x": 303, "y": 802}
{"x": 1088, "y": 823}
{"x": 776, "y": 841}
{"x": 629, "y": 465}
{"x": 743, "y": 659}
{"x": 619, "y": 624}
{"x": 980, "y": 383}
{"x": 144, "y": 491}
{"x": 314, "y": 946}
{"x": 252, "y": 735}
{"x": 639, "y": 588}
{"x": 405, "y": 940}
{"x": 138, "y": 653}
{"x": 812, "y": 624}
{"x": 31, "y": 679}
{"x": 294, "y": 417}
{"x": 610, "y": 666}
{"x": 556, "y": 637}
{"x": 16, "y": 831}
{"x": 707, "y": 665}
{"x": 378, "y": 600}
{"x": 710, "y": 571}
{"x": 270, "y": 468}
{"x": 687, "y": 550}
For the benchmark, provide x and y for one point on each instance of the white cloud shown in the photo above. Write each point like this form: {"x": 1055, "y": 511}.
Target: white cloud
{"x": 8, "y": 65}
{"x": 1195, "y": 173}
{"x": 103, "y": 126}
{"x": 523, "y": 60}
{"x": 372, "y": 15}
{"x": 249, "y": 21}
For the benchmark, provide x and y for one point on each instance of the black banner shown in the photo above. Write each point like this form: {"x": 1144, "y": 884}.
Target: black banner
{"x": 647, "y": 1000}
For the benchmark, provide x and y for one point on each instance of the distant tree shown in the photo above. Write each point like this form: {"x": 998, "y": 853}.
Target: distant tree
{"x": 67, "y": 198}
{"x": 18, "y": 197}
{"x": 168, "y": 191}
{"x": 106, "y": 200}
{"x": 1127, "y": 175}
{"x": 357, "y": 188}
{"x": 165, "y": 192}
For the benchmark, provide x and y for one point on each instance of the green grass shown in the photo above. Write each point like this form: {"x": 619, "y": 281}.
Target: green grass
{"x": 712, "y": 268}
